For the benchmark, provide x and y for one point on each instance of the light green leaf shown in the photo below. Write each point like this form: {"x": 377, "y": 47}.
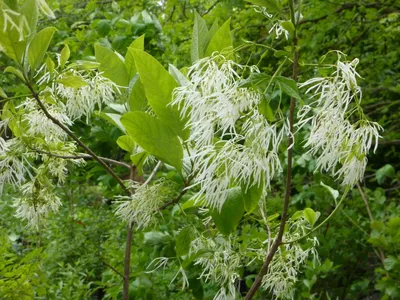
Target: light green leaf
{"x": 200, "y": 38}
{"x": 65, "y": 53}
{"x": 288, "y": 86}
{"x": 151, "y": 134}
{"x": 158, "y": 85}
{"x": 114, "y": 119}
{"x": 390, "y": 263}
{"x": 112, "y": 66}
{"x": 15, "y": 71}
{"x": 183, "y": 240}
{"x": 126, "y": 143}
{"x": 297, "y": 215}
{"x": 265, "y": 109}
{"x": 138, "y": 160}
{"x": 231, "y": 213}
{"x": 179, "y": 77}
{"x": 333, "y": 192}
{"x": 38, "y": 47}
{"x": 50, "y": 64}
{"x": 30, "y": 11}
{"x": 2, "y": 93}
{"x": 289, "y": 27}
{"x": 73, "y": 81}
{"x": 386, "y": 171}
{"x": 311, "y": 216}
{"x": 137, "y": 96}
{"x": 221, "y": 41}
{"x": 137, "y": 44}
{"x": 252, "y": 196}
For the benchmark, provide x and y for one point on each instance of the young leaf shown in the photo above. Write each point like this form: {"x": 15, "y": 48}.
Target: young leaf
{"x": 73, "y": 81}
{"x": 111, "y": 65}
{"x": 38, "y": 47}
{"x": 231, "y": 213}
{"x": 333, "y": 192}
{"x": 200, "y": 38}
{"x": 252, "y": 196}
{"x": 158, "y": 85}
{"x": 138, "y": 160}
{"x": 311, "y": 216}
{"x": 178, "y": 76}
{"x": 287, "y": 25}
{"x": 288, "y": 86}
{"x": 65, "y": 53}
{"x": 2, "y": 93}
{"x": 386, "y": 171}
{"x": 15, "y": 71}
{"x": 150, "y": 134}
{"x": 221, "y": 41}
{"x": 183, "y": 240}
{"x": 126, "y": 143}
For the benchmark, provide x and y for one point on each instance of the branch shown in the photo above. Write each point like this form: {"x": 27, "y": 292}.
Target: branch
{"x": 174, "y": 201}
{"x": 211, "y": 8}
{"x": 112, "y": 268}
{"x": 77, "y": 140}
{"x": 85, "y": 156}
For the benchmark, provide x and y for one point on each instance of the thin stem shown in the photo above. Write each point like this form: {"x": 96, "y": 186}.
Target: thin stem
{"x": 364, "y": 197}
{"x": 114, "y": 269}
{"x": 152, "y": 173}
{"x": 76, "y": 139}
{"x": 324, "y": 221}
{"x": 278, "y": 240}
{"x": 15, "y": 97}
{"x": 85, "y": 156}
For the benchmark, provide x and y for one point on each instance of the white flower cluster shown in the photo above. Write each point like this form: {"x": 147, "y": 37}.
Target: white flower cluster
{"x": 142, "y": 207}
{"x": 220, "y": 264}
{"x": 341, "y": 146}
{"x": 36, "y": 203}
{"x": 81, "y": 101}
{"x": 232, "y": 143}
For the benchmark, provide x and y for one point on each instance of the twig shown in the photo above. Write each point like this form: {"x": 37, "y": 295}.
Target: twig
{"x": 76, "y": 139}
{"x": 153, "y": 173}
{"x": 112, "y": 268}
{"x": 85, "y": 156}
{"x": 364, "y": 197}
{"x": 173, "y": 201}
{"x": 211, "y": 7}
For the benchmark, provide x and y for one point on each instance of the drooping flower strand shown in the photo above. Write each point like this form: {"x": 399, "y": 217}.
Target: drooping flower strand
{"x": 341, "y": 147}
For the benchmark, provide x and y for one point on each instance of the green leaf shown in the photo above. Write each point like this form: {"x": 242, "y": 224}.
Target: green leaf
{"x": 65, "y": 53}
{"x": 73, "y": 81}
{"x": 158, "y": 85}
{"x": 112, "y": 65}
{"x": 231, "y": 213}
{"x": 103, "y": 27}
{"x": 30, "y": 10}
{"x": 288, "y": 26}
{"x": 178, "y": 76}
{"x": 288, "y": 86}
{"x": 386, "y": 171}
{"x": 252, "y": 196}
{"x": 265, "y": 109}
{"x": 183, "y": 240}
{"x": 270, "y": 5}
{"x": 2, "y": 93}
{"x": 138, "y": 160}
{"x": 333, "y": 192}
{"x": 38, "y": 47}
{"x": 200, "y": 38}
{"x": 311, "y": 216}
{"x": 137, "y": 44}
{"x": 114, "y": 119}
{"x": 137, "y": 96}
{"x": 390, "y": 263}
{"x": 157, "y": 139}
{"x": 50, "y": 64}
{"x": 221, "y": 41}
{"x": 126, "y": 143}
{"x": 15, "y": 71}
{"x": 281, "y": 53}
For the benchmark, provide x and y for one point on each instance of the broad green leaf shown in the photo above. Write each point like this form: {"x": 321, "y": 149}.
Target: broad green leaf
{"x": 137, "y": 96}
{"x": 272, "y": 6}
{"x": 126, "y": 143}
{"x": 333, "y": 192}
{"x": 15, "y": 71}
{"x": 221, "y": 41}
{"x": 103, "y": 27}
{"x": 390, "y": 262}
{"x": 386, "y": 171}
{"x": 38, "y": 47}
{"x": 65, "y": 53}
{"x": 252, "y": 196}
{"x": 30, "y": 10}
{"x": 138, "y": 160}
{"x": 154, "y": 137}
{"x": 231, "y": 213}
{"x": 288, "y": 86}
{"x": 183, "y": 240}
{"x": 137, "y": 44}
{"x": 158, "y": 85}
{"x": 297, "y": 215}
{"x": 73, "y": 81}
{"x": 200, "y": 38}
{"x": 114, "y": 119}
{"x": 112, "y": 66}
{"x": 2, "y": 93}
{"x": 265, "y": 109}
{"x": 311, "y": 216}
{"x": 50, "y": 64}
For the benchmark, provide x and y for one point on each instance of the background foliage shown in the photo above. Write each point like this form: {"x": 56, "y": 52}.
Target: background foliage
{"x": 359, "y": 252}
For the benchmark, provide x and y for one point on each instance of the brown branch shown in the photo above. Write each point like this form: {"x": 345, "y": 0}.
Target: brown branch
{"x": 76, "y": 139}
{"x": 85, "y": 156}
{"x": 278, "y": 240}
{"x": 112, "y": 268}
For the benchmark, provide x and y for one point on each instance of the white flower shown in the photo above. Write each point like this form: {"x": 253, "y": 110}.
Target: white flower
{"x": 279, "y": 30}
{"x": 143, "y": 206}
